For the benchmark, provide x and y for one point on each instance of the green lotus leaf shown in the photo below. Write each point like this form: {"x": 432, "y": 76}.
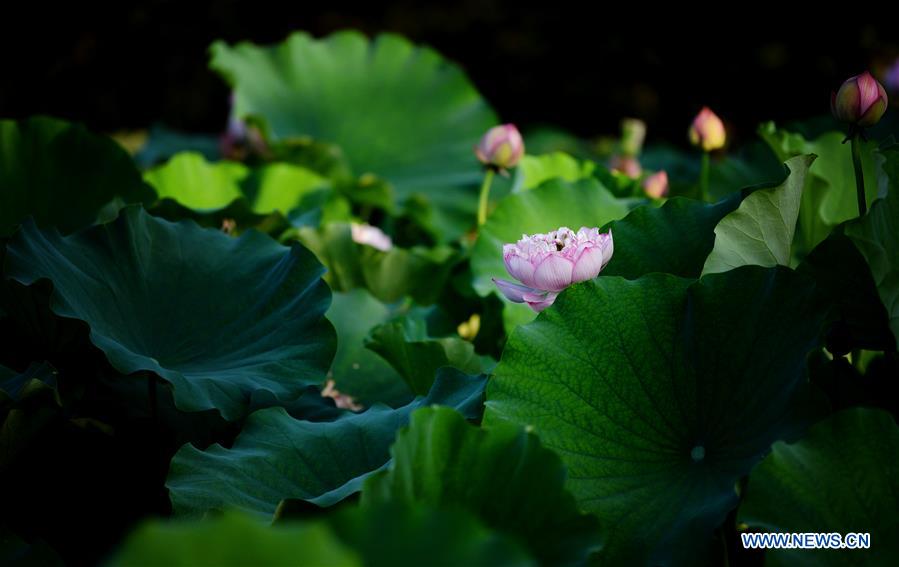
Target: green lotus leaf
{"x": 534, "y": 170}
{"x": 405, "y": 344}
{"x": 356, "y": 370}
{"x": 659, "y": 394}
{"x": 391, "y": 534}
{"x": 390, "y": 275}
{"x": 500, "y": 474}
{"x": 208, "y": 186}
{"x": 829, "y": 197}
{"x": 760, "y": 232}
{"x": 397, "y": 110}
{"x": 277, "y": 457}
{"x": 233, "y": 540}
{"x": 843, "y": 477}
{"x": 216, "y": 317}
{"x": 61, "y": 175}
{"x": 876, "y": 235}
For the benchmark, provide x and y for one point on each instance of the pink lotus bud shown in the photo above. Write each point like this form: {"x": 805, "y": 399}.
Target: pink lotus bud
{"x": 501, "y": 147}
{"x": 627, "y": 165}
{"x": 656, "y": 185}
{"x": 707, "y": 131}
{"x": 861, "y": 101}
{"x": 548, "y": 263}
{"x": 633, "y": 133}
{"x": 371, "y": 236}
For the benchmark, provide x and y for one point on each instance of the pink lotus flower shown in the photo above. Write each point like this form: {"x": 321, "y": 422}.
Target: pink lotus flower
{"x": 656, "y": 185}
{"x": 370, "y": 236}
{"x": 861, "y": 100}
{"x": 548, "y": 263}
{"x": 707, "y": 130}
{"x": 501, "y": 147}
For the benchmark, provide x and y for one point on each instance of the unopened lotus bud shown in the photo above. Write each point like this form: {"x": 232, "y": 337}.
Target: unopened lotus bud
{"x": 501, "y": 147}
{"x": 633, "y": 133}
{"x": 627, "y": 165}
{"x": 656, "y": 185}
{"x": 861, "y": 101}
{"x": 707, "y": 131}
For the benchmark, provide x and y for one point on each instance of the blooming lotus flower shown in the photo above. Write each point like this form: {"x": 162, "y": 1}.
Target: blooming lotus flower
{"x": 707, "y": 131}
{"x": 341, "y": 400}
{"x": 861, "y": 101}
{"x": 501, "y": 147}
{"x": 545, "y": 264}
{"x": 370, "y": 236}
{"x": 656, "y": 185}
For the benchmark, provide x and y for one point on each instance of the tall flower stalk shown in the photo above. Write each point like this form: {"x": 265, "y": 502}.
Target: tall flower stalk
{"x": 860, "y": 102}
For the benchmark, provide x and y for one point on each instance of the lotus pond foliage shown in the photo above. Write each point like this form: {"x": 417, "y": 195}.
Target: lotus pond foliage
{"x": 369, "y": 324}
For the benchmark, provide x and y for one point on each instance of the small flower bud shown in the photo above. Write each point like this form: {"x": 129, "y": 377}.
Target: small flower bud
{"x": 707, "y": 131}
{"x": 371, "y": 236}
{"x": 861, "y": 101}
{"x": 626, "y": 165}
{"x": 656, "y": 185}
{"x": 501, "y": 147}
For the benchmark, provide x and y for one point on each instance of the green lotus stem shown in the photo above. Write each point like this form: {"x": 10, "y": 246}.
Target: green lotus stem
{"x": 704, "y": 178}
{"x": 859, "y": 174}
{"x": 485, "y": 196}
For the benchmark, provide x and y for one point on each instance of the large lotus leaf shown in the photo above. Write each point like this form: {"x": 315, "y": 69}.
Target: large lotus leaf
{"x": 844, "y": 282}
{"x": 877, "y": 238}
{"x": 534, "y": 170}
{"x": 397, "y": 110}
{"x": 501, "y": 474}
{"x": 390, "y": 535}
{"x": 277, "y": 457}
{"x": 659, "y": 393}
{"x": 405, "y": 344}
{"x": 207, "y": 186}
{"x": 830, "y": 196}
{"x": 843, "y": 477}
{"x": 760, "y": 232}
{"x": 233, "y": 540}
{"x": 356, "y": 370}
{"x": 675, "y": 238}
{"x": 216, "y": 317}
{"x": 61, "y": 174}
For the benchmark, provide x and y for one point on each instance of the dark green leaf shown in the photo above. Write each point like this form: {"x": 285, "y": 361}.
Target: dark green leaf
{"x": 277, "y": 457}
{"x": 405, "y": 344}
{"x": 501, "y": 474}
{"x": 675, "y": 238}
{"x": 214, "y": 316}
{"x": 877, "y": 238}
{"x": 61, "y": 175}
{"x": 843, "y": 477}
{"x": 659, "y": 394}
{"x": 391, "y": 535}
{"x": 232, "y": 540}
{"x": 356, "y": 370}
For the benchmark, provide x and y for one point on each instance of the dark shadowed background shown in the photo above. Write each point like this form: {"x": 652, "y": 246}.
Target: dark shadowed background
{"x": 129, "y": 65}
